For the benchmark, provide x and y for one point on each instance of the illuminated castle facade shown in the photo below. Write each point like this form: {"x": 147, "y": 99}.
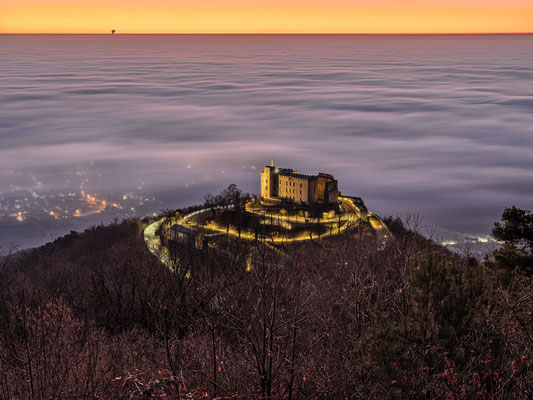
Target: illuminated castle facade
{"x": 279, "y": 184}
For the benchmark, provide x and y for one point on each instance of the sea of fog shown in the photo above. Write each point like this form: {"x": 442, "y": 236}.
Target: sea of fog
{"x": 439, "y": 126}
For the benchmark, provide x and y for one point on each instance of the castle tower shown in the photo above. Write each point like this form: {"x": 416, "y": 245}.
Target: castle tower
{"x": 267, "y": 181}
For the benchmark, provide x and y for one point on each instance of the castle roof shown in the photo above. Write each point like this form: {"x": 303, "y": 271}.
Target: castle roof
{"x": 183, "y": 229}
{"x": 292, "y": 173}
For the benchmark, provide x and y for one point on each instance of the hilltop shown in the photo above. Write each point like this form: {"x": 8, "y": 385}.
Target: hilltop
{"x": 97, "y": 315}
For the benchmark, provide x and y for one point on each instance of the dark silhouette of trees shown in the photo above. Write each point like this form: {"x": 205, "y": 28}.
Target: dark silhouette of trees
{"x": 95, "y": 315}
{"x": 516, "y": 233}
{"x": 517, "y": 228}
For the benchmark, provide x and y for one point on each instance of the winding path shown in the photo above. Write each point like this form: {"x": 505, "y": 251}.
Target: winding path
{"x": 349, "y": 219}
{"x": 154, "y": 242}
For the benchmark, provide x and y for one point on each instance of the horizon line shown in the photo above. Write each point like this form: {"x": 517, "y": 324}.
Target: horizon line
{"x": 273, "y": 33}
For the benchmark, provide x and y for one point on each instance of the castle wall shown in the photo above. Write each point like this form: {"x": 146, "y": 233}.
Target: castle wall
{"x": 332, "y": 192}
{"x": 293, "y": 188}
{"x": 313, "y": 192}
{"x": 288, "y": 184}
{"x": 327, "y": 189}
{"x": 267, "y": 183}
{"x": 321, "y": 189}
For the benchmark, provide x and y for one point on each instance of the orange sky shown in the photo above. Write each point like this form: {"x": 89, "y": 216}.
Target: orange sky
{"x": 266, "y": 16}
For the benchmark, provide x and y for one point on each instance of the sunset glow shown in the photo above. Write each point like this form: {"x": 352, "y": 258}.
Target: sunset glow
{"x": 262, "y": 16}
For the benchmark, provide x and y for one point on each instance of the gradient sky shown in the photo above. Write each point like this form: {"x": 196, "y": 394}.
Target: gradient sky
{"x": 266, "y": 16}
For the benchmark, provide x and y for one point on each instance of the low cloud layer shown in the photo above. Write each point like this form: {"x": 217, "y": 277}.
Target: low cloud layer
{"x": 439, "y": 126}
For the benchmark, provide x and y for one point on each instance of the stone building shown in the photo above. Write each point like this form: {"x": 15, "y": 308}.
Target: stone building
{"x": 182, "y": 234}
{"x": 287, "y": 184}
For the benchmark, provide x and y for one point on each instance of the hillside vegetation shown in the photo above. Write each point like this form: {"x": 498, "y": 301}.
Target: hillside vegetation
{"x": 96, "y": 316}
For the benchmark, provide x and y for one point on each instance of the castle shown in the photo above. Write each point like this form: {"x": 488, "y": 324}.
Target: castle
{"x": 278, "y": 184}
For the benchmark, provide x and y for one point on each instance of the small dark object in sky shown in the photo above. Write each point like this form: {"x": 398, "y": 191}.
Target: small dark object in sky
{"x": 112, "y": 31}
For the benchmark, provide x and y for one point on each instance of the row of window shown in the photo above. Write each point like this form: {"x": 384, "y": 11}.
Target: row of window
{"x": 289, "y": 190}
{"x": 287, "y": 183}
{"x": 291, "y": 184}
{"x": 293, "y": 191}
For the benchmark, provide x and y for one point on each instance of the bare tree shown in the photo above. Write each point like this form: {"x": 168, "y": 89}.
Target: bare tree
{"x": 5, "y": 260}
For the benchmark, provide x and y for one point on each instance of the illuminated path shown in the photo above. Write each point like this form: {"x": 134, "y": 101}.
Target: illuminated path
{"x": 279, "y": 240}
{"x": 348, "y": 220}
{"x": 154, "y": 243}
{"x": 378, "y": 224}
{"x": 348, "y": 216}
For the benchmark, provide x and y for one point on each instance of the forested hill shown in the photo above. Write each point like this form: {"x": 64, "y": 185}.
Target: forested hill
{"x": 95, "y": 315}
